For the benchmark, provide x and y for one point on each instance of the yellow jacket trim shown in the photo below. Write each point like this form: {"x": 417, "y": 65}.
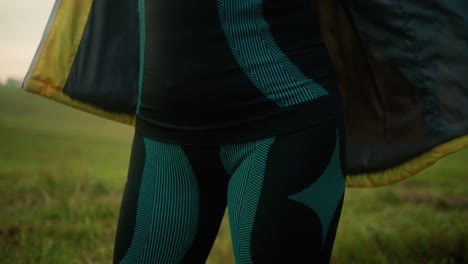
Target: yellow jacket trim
{"x": 71, "y": 18}
{"x": 409, "y": 168}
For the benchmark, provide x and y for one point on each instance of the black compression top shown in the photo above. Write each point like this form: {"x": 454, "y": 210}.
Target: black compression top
{"x": 225, "y": 71}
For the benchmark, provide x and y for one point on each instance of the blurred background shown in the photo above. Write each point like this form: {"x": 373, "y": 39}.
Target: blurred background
{"x": 22, "y": 23}
{"x": 62, "y": 174}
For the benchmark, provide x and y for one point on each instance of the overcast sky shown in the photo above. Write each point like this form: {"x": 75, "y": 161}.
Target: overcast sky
{"x": 22, "y": 23}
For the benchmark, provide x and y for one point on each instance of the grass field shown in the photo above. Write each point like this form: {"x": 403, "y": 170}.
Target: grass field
{"x": 62, "y": 173}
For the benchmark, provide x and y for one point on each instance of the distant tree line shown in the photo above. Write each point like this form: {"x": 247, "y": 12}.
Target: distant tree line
{"x": 11, "y": 83}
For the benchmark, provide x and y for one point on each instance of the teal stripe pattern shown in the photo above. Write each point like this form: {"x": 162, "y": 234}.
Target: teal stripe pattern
{"x": 252, "y": 44}
{"x": 141, "y": 12}
{"x": 324, "y": 195}
{"x": 167, "y": 210}
{"x": 246, "y": 163}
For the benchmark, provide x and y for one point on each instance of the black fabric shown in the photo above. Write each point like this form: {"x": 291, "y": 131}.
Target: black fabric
{"x": 128, "y": 210}
{"x": 105, "y": 69}
{"x": 196, "y": 91}
{"x": 401, "y": 66}
{"x": 299, "y": 38}
{"x": 191, "y": 78}
{"x": 253, "y": 127}
{"x": 286, "y": 231}
{"x": 213, "y": 181}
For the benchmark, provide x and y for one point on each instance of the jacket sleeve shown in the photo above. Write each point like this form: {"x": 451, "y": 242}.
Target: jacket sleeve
{"x": 402, "y": 68}
{"x": 88, "y": 58}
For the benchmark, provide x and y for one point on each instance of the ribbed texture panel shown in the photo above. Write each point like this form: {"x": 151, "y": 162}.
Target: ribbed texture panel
{"x": 167, "y": 212}
{"x": 252, "y": 43}
{"x": 246, "y": 162}
{"x": 141, "y": 12}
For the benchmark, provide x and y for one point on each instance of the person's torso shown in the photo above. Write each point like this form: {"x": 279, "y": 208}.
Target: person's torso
{"x": 210, "y": 64}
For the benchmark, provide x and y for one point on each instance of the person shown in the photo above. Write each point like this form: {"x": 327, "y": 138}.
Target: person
{"x": 235, "y": 103}
{"x": 238, "y": 106}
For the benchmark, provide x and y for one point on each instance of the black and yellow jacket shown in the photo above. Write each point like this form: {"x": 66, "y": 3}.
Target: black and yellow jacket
{"x": 402, "y": 68}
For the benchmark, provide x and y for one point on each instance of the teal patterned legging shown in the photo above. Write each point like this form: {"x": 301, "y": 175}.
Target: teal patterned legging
{"x": 284, "y": 196}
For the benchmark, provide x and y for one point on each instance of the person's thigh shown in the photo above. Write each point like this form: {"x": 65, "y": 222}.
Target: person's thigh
{"x": 170, "y": 211}
{"x": 285, "y": 195}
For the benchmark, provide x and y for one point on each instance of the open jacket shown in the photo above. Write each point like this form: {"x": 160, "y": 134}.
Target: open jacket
{"x": 402, "y": 69}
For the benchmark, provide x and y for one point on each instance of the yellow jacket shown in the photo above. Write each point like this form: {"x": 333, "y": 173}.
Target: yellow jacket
{"x": 402, "y": 68}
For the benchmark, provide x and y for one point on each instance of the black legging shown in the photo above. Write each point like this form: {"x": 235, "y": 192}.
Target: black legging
{"x": 284, "y": 196}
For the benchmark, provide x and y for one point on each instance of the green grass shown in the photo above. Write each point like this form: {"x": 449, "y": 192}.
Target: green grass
{"x": 62, "y": 173}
